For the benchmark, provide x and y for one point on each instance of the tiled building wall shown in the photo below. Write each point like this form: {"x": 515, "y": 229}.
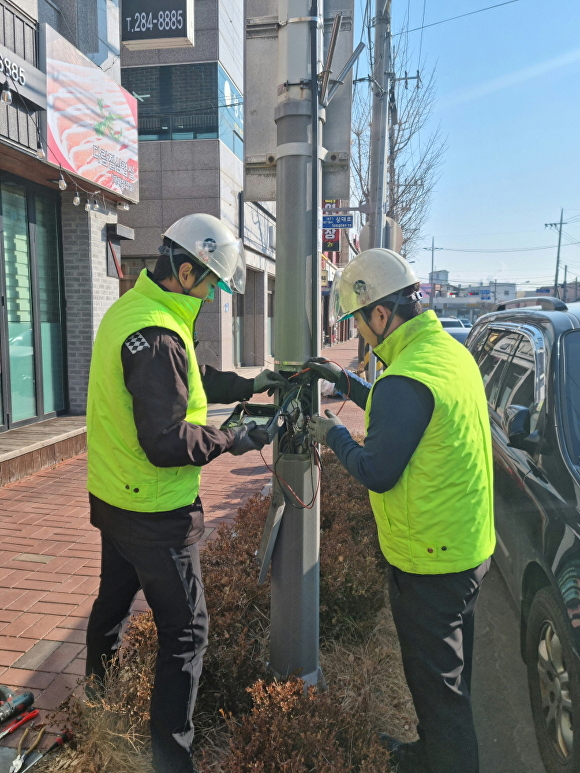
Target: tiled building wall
{"x": 88, "y": 290}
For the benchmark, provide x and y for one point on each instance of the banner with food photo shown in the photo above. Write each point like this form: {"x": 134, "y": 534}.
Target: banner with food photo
{"x": 91, "y": 120}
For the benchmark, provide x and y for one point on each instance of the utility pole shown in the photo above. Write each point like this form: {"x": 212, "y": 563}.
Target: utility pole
{"x": 576, "y": 289}
{"x": 565, "y": 293}
{"x": 431, "y": 275}
{"x": 557, "y": 226}
{"x": 294, "y": 639}
{"x": 381, "y": 76}
{"x": 495, "y": 290}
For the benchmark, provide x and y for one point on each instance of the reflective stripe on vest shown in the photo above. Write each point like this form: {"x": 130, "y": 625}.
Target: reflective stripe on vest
{"x": 118, "y": 470}
{"x": 438, "y": 517}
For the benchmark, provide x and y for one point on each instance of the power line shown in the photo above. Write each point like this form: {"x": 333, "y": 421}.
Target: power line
{"x": 452, "y": 18}
{"x": 504, "y": 249}
{"x": 421, "y": 39}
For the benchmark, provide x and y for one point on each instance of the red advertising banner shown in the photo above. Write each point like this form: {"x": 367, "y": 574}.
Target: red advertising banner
{"x": 91, "y": 120}
{"x": 330, "y": 236}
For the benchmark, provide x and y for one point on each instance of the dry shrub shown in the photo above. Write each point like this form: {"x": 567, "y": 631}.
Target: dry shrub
{"x": 104, "y": 740}
{"x": 352, "y": 582}
{"x": 367, "y": 676}
{"x": 239, "y": 613}
{"x": 290, "y": 730}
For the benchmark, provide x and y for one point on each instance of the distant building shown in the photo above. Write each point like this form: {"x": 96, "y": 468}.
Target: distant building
{"x": 468, "y": 301}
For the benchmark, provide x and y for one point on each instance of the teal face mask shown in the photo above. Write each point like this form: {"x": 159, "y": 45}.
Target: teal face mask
{"x": 210, "y": 295}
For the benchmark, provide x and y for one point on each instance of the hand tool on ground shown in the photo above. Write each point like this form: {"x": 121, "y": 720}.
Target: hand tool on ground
{"x": 63, "y": 738}
{"x": 19, "y": 721}
{"x": 15, "y": 705}
{"x": 18, "y": 763}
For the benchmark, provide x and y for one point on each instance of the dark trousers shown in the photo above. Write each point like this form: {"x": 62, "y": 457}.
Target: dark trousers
{"x": 171, "y": 581}
{"x": 434, "y": 618}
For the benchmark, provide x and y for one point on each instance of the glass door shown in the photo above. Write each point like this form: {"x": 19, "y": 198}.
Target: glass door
{"x": 50, "y": 305}
{"x": 18, "y": 304}
{"x": 32, "y": 351}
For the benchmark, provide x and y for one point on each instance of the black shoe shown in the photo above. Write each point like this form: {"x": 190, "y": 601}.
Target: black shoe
{"x": 405, "y": 757}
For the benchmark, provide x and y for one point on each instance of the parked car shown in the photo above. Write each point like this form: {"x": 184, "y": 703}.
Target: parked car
{"x": 465, "y": 322}
{"x": 530, "y": 364}
{"x": 455, "y": 328}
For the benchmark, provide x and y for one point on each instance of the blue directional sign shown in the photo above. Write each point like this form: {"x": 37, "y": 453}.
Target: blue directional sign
{"x": 337, "y": 221}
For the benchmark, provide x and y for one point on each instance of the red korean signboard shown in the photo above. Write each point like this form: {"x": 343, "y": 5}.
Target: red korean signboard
{"x": 330, "y": 236}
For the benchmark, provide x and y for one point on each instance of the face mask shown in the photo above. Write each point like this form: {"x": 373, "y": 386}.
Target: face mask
{"x": 210, "y": 295}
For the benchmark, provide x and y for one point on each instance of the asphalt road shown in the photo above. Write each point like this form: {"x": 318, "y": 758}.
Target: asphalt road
{"x": 500, "y": 692}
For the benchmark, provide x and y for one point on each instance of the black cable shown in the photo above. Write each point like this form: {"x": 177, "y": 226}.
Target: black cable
{"x": 452, "y": 18}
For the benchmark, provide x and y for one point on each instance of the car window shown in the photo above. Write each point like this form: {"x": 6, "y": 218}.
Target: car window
{"x": 571, "y": 384}
{"x": 451, "y": 323}
{"x": 517, "y": 387}
{"x": 496, "y": 352}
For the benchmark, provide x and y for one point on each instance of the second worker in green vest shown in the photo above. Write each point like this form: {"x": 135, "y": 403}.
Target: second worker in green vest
{"x": 148, "y": 439}
{"x": 427, "y": 463}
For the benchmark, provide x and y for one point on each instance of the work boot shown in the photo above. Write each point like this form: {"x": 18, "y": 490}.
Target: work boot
{"x": 405, "y": 757}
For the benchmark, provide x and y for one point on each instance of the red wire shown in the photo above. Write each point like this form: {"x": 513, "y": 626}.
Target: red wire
{"x": 347, "y": 381}
{"x": 289, "y": 487}
{"x": 279, "y": 477}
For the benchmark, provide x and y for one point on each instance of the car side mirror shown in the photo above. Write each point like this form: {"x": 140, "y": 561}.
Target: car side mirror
{"x": 516, "y": 423}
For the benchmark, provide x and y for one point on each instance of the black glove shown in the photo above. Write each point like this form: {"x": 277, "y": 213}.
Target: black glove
{"x": 323, "y": 368}
{"x": 269, "y": 380}
{"x": 245, "y": 440}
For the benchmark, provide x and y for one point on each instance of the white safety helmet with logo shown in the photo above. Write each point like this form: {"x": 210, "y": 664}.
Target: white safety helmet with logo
{"x": 213, "y": 246}
{"x": 374, "y": 275}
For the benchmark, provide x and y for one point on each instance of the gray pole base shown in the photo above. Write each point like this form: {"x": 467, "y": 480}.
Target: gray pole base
{"x": 294, "y": 613}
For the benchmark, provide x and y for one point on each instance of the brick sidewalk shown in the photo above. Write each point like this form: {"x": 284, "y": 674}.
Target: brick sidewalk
{"x": 49, "y": 559}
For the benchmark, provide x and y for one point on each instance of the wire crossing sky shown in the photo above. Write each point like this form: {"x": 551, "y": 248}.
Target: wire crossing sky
{"x": 508, "y": 103}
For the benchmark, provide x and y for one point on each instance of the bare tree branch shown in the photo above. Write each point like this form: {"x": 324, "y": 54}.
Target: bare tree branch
{"x": 416, "y": 159}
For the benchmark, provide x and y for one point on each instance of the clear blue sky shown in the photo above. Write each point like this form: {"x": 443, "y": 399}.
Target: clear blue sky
{"x": 508, "y": 103}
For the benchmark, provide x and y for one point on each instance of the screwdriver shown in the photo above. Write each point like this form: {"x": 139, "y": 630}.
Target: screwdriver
{"x": 61, "y": 739}
{"x": 19, "y": 721}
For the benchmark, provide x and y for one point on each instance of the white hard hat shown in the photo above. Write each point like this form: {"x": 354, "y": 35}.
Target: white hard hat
{"x": 213, "y": 245}
{"x": 373, "y": 275}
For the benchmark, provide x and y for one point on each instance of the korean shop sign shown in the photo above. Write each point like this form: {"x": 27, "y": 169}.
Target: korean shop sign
{"x": 157, "y": 23}
{"x": 91, "y": 120}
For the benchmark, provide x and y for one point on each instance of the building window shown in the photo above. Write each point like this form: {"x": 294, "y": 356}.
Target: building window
{"x": 187, "y": 102}
{"x": 98, "y": 30}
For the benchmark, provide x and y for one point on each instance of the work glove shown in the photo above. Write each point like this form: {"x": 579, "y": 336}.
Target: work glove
{"x": 319, "y": 427}
{"x": 246, "y": 440}
{"x": 269, "y": 380}
{"x": 321, "y": 367}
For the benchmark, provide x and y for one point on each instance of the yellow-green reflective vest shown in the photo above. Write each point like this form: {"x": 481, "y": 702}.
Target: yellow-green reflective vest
{"x": 118, "y": 470}
{"x": 438, "y": 517}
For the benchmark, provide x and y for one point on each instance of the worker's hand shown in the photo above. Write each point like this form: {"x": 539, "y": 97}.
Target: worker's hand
{"x": 269, "y": 380}
{"x": 319, "y": 427}
{"x": 246, "y": 440}
{"x": 323, "y": 368}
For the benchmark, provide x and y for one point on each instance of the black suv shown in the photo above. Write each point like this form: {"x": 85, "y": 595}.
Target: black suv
{"x": 530, "y": 363}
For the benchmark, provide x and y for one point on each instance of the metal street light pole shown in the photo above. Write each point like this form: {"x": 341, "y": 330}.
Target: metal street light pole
{"x": 294, "y": 632}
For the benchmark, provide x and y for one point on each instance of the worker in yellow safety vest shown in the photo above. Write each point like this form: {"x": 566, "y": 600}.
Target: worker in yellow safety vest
{"x": 427, "y": 463}
{"x": 148, "y": 439}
